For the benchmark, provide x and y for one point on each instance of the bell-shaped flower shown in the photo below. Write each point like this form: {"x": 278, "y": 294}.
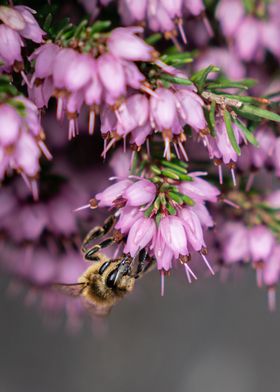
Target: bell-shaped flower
{"x": 32, "y": 30}
{"x": 111, "y": 74}
{"x": 140, "y": 193}
{"x": 10, "y": 45}
{"x": 193, "y": 228}
{"x": 199, "y": 189}
{"x": 261, "y": 242}
{"x": 172, "y": 231}
{"x": 10, "y": 123}
{"x": 128, "y": 216}
{"x": 163, "y": 109}
{"x": 163, "y": 253}
{"x": 124, "y": 44}
{"x": 113, "y": 192}
{"x": 140, "y": 235}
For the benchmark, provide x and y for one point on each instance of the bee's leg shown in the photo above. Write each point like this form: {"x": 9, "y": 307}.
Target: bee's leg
{"x": 93, "y": 252}
{"x": 98, "y": 231}
{"x": 144, "y": 263}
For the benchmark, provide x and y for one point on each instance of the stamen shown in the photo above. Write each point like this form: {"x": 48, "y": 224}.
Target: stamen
{"x": 207, "y": 26}
{"x": 34, "y": 189}
{"x": 59, "y": 109}
{"x": 110, "y": 144}
{"x": 183, "y": 151}
{"x": 177, "y": 151}
{"x": 162, "y": 274}
{"x": 250, "y": 182}
{"x": 24, "y": 77}
{"x": 259, "y": 277}
{"x": 167, "y": 153}
{"x": 71, "y": 129}
{"x": 233, "y": 177}
{"x": 220, "y": 174}
{"x": 182, "y": 31}
{"x": 149, "y": 91}
{"x": 189, "y": 273}
{"x": 207, "y": 263}
{"x": 45, "y": 150}
{"x": 91, "y": 122}
{"x": 166, "y": 68}
{"x": 86, "y": 206}
{"x": 231, "y": 203}
{"x": 271, "y": 296}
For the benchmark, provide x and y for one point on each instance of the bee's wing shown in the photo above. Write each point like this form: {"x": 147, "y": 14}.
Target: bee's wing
{"x": 71, "y": 289}
{"x": 95, "y": 310}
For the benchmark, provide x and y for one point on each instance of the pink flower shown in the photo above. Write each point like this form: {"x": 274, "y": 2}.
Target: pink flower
{"x": 32, "y": 29}
{"x": 236, "y": 243}
{"x": 140, "y": 235}
{"x": 199, "y": 189}
{"x": 124, "y": 44}
{"x": 163, "y": 109}
{"x": 140, "y": 193}
{"x": 10, "y": 123}
{"x": 79, "y": 72}
{"x": 132, "y": 114}
{"x": 191, "y": 108}
{"x": 195, "y": 7}
{"x": 112, "y": 75}
{"x": 172, "y": 231}
{"x": 246, "y": 47}
{"x": 44, "y": 58}
{"x": 110, "y": 194}
{"x": 271, "y": 271}
{"x": 12, "y": 18}
{"x": 128, "y": 216}
{"x": 193, "y": 228}
{"x": 10, "y": 45}
{"x": 230, "y": 14}
{"x": 261, "y": 242}
{"x": 163, "y": 253}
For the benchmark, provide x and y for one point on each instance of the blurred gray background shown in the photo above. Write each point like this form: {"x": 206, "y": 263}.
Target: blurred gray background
{"x": 209, "y": 336}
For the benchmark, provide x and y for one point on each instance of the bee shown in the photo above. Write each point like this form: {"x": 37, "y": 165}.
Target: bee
{"x": 106, "y": 281}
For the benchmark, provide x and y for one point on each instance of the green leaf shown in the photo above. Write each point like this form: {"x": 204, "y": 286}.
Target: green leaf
{"x": 199, "y": 78}
{"x": 257, "y": 112}
{"x": 174, "y": 166}
{"x": 188, "y": 200}
{"x": 247, "y": 133}
{"x": 170, "y": 174}
{"x": 212, "y": 117}
{"x": 230, "y": 132}
{"x": 100, "y": 26}
{"x": 176, "y": 197}
{"x": 171, "y": 209}
{"x": 48, "y": 22}
{"x": 153, "y": 39}
{"x": 223, "y": 83}
{"x": 176, "y": 80}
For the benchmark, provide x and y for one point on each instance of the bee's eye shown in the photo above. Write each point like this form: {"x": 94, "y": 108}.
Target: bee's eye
{"x": 110, "y": 281}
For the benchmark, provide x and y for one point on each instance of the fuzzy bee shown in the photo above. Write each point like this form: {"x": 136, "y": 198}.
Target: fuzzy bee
{"x": 106, "y": 280}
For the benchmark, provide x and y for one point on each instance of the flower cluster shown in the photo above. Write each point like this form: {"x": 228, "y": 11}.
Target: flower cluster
{"x": 94, "y": 76}
{"x": 260, "y": 22}
{"x": 159, "y": 15}
{"x": 18, "y": 23}
{"x": 166, "y": 214}
{"x": 21, "y": 140}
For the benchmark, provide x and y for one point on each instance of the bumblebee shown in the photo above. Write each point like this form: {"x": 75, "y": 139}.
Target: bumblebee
{"x": 106, "y": 280}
